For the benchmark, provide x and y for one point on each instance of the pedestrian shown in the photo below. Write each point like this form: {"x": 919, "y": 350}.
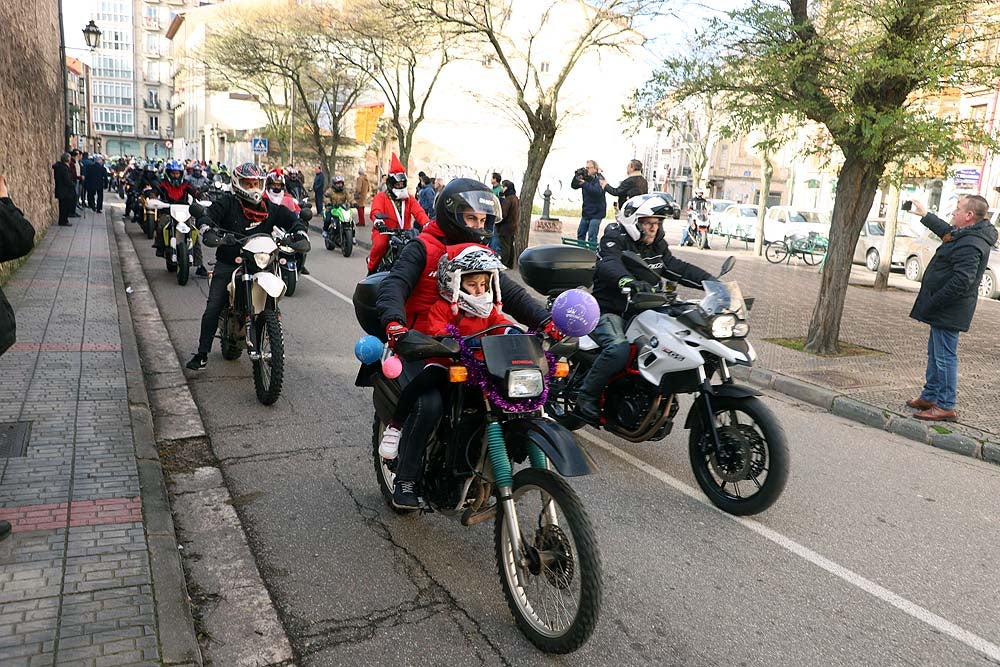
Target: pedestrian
{"x": 318, "y": 186}
{"x": 93, "y": 183}
{"x": 506, "y": 229}
{"x": 595, "y": 206}
{"x": 76, "y": 156}
{"x": 426, "y": 196}
{"x": 634, "y": 184}
{"x": 948, "y": 296}
{"x": 361, "y": 190}
{"x": 496, "y": 184}
{"x": 63, "y": 175}
{"x": 17, "y": 237}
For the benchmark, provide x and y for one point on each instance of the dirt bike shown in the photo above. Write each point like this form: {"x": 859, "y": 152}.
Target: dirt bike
{"x": 544, "y": 542}
{"x": 179, "y": 237}
{"x": 398, "y": 238}
{"x": 737, "y": 447}
{"x": 148, "y": 213}
{"x": 339, "y": 228}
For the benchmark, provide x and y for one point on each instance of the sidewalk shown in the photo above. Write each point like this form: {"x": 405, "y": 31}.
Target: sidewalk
{"x": 82, "y": 579}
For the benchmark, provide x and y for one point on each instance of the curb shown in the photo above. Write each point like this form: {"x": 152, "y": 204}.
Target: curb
{"x": 178, "y": 642}
{"x": 950, "y": 437}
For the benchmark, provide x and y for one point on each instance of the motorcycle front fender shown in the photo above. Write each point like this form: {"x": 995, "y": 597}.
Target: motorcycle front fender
{"x": 264, "y": 285}
{"x": 557, "y": 442}
{"x": 725, "y": 390}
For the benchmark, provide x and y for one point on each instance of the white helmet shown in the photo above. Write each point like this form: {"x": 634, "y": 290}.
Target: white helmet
{"x": 471, "y": 258}
{"x": 652, "y": 205}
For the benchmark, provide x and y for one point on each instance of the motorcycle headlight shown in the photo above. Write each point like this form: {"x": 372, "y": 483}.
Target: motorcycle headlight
{"x": 722, "y": 326}
{"x": 262, "y": 259}
{"x": 741, "y": 329}
{"x": 526, "y": 383}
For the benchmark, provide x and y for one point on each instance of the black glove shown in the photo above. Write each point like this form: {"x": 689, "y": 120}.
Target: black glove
{"x": 229, "y": 239}
{"x": 638, "y": 286}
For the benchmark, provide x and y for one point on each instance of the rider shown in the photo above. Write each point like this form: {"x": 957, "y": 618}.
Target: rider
{"x": 144, "y": 176}
{"x": 395, "y": 202}
{"x": 698, "y": 204}
{"x": 335, "y": 196}
{"x": 244, "y": 211}
{"x": 463, "y": 211}
{"x": 197, "y": 179}
{"x": 175, "y": 190}
{"x": 640, "y": 231}
{"x": 294, "y": 183}
{"x": 275, "y": 190}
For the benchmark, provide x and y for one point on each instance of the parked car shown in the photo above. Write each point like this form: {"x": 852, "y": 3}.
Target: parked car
{"x": 780, "y": 222}
{"x": 872, "y": 237}
{"x": 738, "y": 221}
{"x": 922, "y": 249}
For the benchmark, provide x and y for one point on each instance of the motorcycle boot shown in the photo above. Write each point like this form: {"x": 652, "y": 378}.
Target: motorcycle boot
{"x": 404, "y": 496}
{"x": 300, "y": 258}
{"x": 609, "y": 334}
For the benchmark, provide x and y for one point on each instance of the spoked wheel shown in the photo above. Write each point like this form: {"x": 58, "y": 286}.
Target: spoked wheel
{"x": 751, "y": 470}
{"x": 230, "y": 348}
{"x": 348, "y": 242}
{"x": 269, "y": 369}
{"x": 385, "y": 469}
{"x": 813, "y": 256}
{"x": 776, "y": 252}
{"x": 554, "y": 586}
{"x": 183, "y": 263}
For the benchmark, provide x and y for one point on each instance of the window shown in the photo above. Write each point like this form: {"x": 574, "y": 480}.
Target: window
{"x": 153, "y": 44}
{"x": 113, "y": 93}
{"x": 154, "y": 123}
{"x": 113, "y": 120}
{"x": 544, "y": 67}
{"x": 114, "y": 11}
{"x": 112, "y": 67}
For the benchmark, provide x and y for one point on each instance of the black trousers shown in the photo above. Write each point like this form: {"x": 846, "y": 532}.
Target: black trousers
{"x": 67, "y": 205}
{"x": 424, "y": 405}
{"x": 218, "y": 298}
{"x": 95, "y": 199}
{"x": 506, "y": 250}
{"x": 610, "y": 335}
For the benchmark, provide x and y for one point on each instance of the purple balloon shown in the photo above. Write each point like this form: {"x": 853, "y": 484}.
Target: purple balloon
{"x": 575, "y": 312}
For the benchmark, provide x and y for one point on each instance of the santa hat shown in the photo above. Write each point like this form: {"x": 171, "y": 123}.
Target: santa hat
{"x": 395, "y": 166}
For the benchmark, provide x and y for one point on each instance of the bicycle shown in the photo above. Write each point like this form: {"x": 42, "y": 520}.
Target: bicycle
{"x": 810, "y": 248}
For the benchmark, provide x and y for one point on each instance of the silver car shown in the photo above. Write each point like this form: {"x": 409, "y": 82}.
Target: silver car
{"x": 922, "y": 249}
{"x": 870, "y": 241}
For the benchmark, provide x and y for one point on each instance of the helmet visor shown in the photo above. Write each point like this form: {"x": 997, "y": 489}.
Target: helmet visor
{"x": 476, "y": 209}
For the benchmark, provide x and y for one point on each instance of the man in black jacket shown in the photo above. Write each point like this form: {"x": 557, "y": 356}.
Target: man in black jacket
{"x": 948, "y": 296}
{"x": 640, "y": 231}
{"x": 64, "y": 174}
{"x": 17, "y": 237}
{"x": 244, "y": 211}
{"x": 635, "y": 184}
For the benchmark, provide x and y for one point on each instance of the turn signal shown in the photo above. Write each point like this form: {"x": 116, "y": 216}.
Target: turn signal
{"x": 562, "y": 369}
{"x": 239, "y": 260}
{"x": 458, "y": 374}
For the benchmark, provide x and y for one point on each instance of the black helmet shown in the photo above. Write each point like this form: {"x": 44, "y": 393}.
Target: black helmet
{"x": 460, "y": 195}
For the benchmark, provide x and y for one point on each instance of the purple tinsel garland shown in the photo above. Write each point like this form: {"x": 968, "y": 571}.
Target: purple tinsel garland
{"x": 480, "y": 376}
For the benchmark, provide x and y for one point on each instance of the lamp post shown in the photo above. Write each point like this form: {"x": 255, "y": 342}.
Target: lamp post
{"x": 92, "y": 35}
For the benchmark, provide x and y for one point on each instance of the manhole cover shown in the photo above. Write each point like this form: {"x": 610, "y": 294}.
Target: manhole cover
{"x": 840, "y": 380}
{"x": 14, "y": 438}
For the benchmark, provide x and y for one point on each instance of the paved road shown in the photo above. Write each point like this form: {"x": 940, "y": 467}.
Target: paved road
{"x": 882, "y": 551}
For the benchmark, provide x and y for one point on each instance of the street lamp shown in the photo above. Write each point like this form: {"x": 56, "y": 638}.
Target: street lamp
{"x": 92, "y": 34}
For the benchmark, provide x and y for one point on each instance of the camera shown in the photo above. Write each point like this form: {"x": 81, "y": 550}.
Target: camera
{"x": 580, "y": 173}
{"x": 907, "y": 205}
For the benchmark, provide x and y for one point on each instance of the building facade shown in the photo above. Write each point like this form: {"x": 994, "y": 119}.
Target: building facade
{"x": 78, "y": 106}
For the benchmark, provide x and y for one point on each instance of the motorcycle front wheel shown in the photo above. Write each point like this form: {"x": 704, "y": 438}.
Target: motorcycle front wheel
{"x": 269, "y": 368}
{"x": 183, "y": 262}
{"x": 556, "y": 596}
{"x": 348, "y": 242}
{"x": 749, "y": 473}
{"x": 150, "y": 226}
{"x": 291, "y": 279}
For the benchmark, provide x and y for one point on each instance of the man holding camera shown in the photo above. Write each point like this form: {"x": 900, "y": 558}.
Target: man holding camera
{"x": 595, "y": 206}
{"x": 948, "y": 296}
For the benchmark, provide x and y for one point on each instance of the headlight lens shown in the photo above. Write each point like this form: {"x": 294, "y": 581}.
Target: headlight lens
{"x": 722, "y": 326}
{"x": 262, "y": 259}
{"x": 741, "y": 329}
{"x": 526, "y": 383}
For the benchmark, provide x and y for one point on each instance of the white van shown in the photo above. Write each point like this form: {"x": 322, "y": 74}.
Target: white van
{"x": 780, "y": 222}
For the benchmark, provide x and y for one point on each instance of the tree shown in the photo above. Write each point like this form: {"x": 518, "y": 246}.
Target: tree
{"x": 293, "y": 52}
{"x": 604, "y": 24}
{"x": 869, "y": 73}
{"x": 404, "y": 64}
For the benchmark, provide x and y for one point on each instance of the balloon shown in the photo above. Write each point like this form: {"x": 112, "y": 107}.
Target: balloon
{"x": 368, "y": 349}
{"x": 392, "y": 367}
{"x": 575, "y": 312}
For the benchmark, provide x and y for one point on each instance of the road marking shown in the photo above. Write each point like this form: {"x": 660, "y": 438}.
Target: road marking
{"x": 332, "y": 291}
{"x": 940, "y": 624}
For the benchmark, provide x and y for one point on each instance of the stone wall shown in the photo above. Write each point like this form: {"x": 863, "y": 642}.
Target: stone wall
{"x": 31, "y": 106}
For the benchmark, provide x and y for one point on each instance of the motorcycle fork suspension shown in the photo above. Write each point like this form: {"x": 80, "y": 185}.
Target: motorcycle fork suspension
{"x": 248, "y": 295}
{"x": 707, "y": 412}
{"x": 504, "y": 479}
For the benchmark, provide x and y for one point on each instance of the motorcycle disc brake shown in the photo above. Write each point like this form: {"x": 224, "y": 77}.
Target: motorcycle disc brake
{"x": 555, "y": 556}
{"x": 733, "y": 465}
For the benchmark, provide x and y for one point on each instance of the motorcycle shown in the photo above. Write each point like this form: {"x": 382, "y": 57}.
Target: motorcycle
{"x": 398, "y": 238}
{"x": 290, "y": 244}
{"x": 544, "y": 542}
{"x": 148, "y": 212}
{"x": 339, "y": 228}
{"x": 699, "y": 228}
{"x": 737, "y": 447}
{"x": 251, "y": 320}
{"x": 179, "y": 238}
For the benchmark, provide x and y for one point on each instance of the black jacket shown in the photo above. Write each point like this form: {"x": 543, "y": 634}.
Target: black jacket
{"x": 226, "y": 213}
{"x": 630, "y": 187}
{"x": 610, "y": 268}
{"x": 17, "y": 237}
{"x": 397, "y": 286}
{"x": 93, "y": 175}
{"x": 64, "y": 174}
{"x": 949, "y": 291}
{"x": 594, "y": 203}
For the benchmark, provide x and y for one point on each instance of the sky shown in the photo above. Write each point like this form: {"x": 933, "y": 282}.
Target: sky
{"x": 76, "y": 14}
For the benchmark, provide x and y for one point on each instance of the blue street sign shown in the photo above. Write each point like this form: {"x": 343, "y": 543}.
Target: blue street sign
{"x": 259, "y": 145}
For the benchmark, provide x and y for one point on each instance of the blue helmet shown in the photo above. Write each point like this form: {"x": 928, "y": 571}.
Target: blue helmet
{"x": 174, "y": 172}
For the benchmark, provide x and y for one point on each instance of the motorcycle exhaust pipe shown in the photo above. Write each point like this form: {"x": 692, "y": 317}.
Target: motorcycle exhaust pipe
{"x": 471, "y": 517}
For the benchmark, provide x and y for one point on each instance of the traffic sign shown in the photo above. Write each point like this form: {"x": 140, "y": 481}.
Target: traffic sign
{"x": 168, "y": 143}
{"x": 259, "y": 145}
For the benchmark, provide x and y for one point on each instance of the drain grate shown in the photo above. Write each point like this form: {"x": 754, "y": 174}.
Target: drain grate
{"x": 14, "y": 438}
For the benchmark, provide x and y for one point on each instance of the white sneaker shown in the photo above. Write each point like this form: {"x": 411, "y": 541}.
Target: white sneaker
{"x": 389, "y": 446}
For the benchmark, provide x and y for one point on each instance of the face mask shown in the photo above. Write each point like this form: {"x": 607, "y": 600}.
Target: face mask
{"x": 400, "y": 193}
{"x": 275, "y": 196}
{"x": 479, "y": 306}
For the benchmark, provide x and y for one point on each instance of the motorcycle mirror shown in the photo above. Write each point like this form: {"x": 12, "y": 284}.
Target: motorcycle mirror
{"x": 638, "y": 268}
{"x": 196, "y": 210}
{"x": 727, "y": 265}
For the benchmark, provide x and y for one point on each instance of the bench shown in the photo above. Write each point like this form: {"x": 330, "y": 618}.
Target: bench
{"x": 579, "y": 243}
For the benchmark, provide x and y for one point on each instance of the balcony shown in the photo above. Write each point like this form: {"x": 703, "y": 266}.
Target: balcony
{"x": 151, "y": 104}
{"x": 150, "y": 23}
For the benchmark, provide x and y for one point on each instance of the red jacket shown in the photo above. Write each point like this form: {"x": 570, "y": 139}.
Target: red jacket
{"x": 287, "y": 200}
{"x": 411, "y": 211}
{"x": 441, "y": 315}
{"x": 177, "y": 194}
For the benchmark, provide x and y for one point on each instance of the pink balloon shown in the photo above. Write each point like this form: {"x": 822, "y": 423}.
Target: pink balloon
{"x": 392, "y": 367}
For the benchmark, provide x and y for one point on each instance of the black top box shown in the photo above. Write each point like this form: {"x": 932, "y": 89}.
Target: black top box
{"x": 551, "y": 269}
{"x": 365, "y": 296}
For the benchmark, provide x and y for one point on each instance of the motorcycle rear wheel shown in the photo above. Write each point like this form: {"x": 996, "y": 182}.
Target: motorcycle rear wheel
{"x": 183, "y": 263}
{"x": 149, "y": 225}
{"x": 269, "y": 369}
{"x": 755, "y": 446}
{"x": 558, "y": 608}
{"x": 230, "y": 348}
{"x": 348, "y": 242}
{"x": 385, "y": 469}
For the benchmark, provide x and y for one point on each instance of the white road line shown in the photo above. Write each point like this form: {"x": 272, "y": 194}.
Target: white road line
{"x": 343, "y": 297}
{"x": 940, "y": 624}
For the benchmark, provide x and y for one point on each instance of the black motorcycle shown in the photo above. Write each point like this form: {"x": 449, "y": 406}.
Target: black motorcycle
{"x": 545, "y": 545}
{"x": 398, "y": 238}
{"x": 292, "y": 245}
